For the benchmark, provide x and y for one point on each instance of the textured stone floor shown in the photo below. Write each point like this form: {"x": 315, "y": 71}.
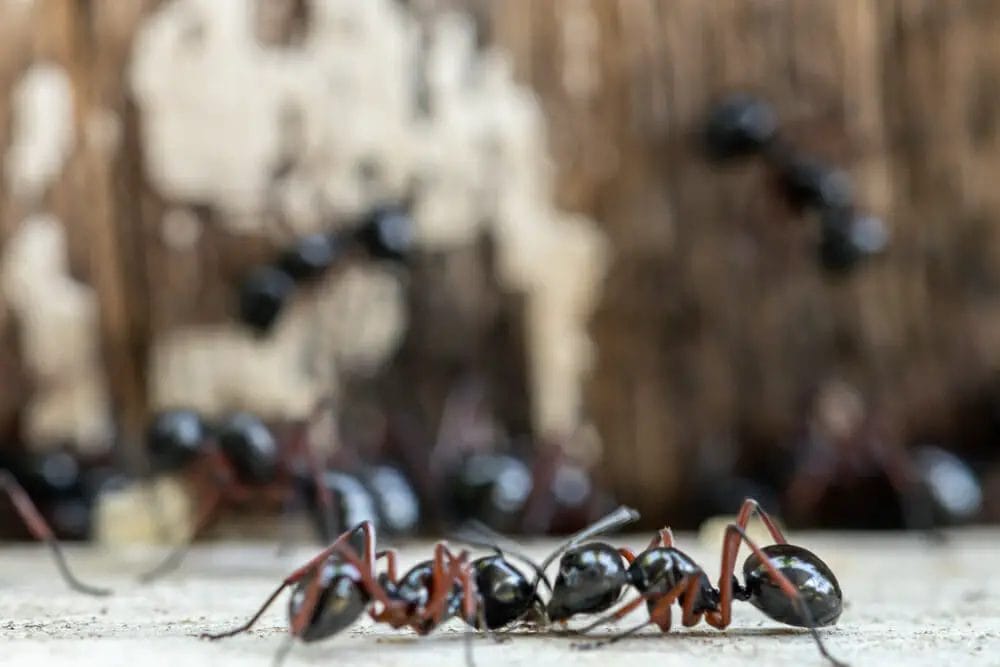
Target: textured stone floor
{"x": 909, "y": 602}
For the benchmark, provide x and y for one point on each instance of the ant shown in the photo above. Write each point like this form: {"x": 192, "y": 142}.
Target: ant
{"x": 335, "y": 587}
{"x": 40, "y": 529}
{"x": 786, "y": 582}
{"x": 232, "y": 463}
{"x": 385, "y": 233}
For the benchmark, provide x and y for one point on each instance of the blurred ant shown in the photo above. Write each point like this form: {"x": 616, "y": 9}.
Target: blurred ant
{"x": 335, "y": 587}
{"x": 548, "y": 493}
{"x": 849, "y": 452}
{"x": 237, "y": 461}
{"x": 384, "y": 234}
{"x": 788, "y": 583}
{"x": 40, "y": 529}
{"x": 741, "y": 126}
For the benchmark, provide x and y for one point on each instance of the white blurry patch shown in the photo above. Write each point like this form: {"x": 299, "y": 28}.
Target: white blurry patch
{"x": 157, "y": 511}
{"x": 364, "y": 311}
{"x": 225, "y": 368}
{"x": 180, "y": 229}
{"x": 221, "y": 112}
{"x": 340, "y": 118}
{"x": 42, "y": 130}
{"x": 355, "y": 321}
{"x": 59, "y": 337}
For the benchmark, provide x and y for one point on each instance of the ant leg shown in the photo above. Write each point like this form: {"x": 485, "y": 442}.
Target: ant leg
{"x": 253, "y": 619}
{"x": 41, "y": 531}
{"x": 689, "y": 618}
{"x": 627, "y": 554}
{"x": 338, "y": 547}
{"x": 177, "y": 553}
{"x": 391, "y": 567}
{"x": 658, "y": 615}
{"x": 617, "y": 615}
{"x": 663, "y": 538}
{"x": 391, "y": 559}
{"x": 441, "y": 582}
{"x": 734, "y": 536}
{"x": 751, "y": 507}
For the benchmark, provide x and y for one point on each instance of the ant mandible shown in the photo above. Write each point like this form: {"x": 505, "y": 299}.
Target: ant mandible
{"x": 41, "y": 531}
{"x": 786, "y": 582}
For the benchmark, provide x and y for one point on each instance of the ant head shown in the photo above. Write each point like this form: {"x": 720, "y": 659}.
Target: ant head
{"x": 340, "y": 602}
{"x": 590, "y": 580}
{"x": 507, "y": 594}
{"x": 250, "y": 447}
{"x": 820, "y": 600}
{"x": 175, "y": 438}
{"x": 386, "y": 233}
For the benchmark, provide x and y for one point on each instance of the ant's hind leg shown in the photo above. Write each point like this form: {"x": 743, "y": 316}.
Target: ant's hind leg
{"x": 751, "y": 507}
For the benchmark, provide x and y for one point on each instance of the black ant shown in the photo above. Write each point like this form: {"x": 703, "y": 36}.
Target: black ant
{"x": 742, "y": 126}
{"x": 233, "y": 463}
{"x": 40, "y": 529}
{"x": 335, "y": 587}
{"x": 384, "y": 234}
{"x": 788, "y": 583}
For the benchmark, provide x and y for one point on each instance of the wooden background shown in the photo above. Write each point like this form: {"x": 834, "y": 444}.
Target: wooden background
{"x": 715, "y": 322}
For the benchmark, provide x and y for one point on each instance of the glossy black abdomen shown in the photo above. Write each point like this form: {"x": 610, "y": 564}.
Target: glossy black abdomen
{"x": 816, "y": 583}
{"x": 341, "y": 601}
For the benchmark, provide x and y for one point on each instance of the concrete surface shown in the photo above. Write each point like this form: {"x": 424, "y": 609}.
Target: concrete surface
{"x": 908, "y": 602}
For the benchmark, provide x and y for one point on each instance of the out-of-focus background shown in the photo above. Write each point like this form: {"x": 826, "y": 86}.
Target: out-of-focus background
{"x": 483, "y": 260}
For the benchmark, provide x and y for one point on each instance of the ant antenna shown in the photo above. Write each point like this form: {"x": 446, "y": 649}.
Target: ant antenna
{"x": 622, "y": 516}
{"x": 477, "y": 534}
{"x": 178, "y": 552}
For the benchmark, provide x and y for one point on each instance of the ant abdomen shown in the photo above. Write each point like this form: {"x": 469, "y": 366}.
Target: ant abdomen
{"x": 818, "y": 588}
{"x": 342, "y": 601}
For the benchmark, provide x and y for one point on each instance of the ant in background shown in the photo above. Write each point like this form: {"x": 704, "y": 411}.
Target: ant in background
{"x": 741, "y": 126}
{"x": 849, "y": 455}
{"x": 786, "y": 582}
{"x": 231, "y": 463}
{"x": 239, "y": 461}
{"x": 481, "y": 475}
{"x": 385, "y": 233}
{"x": 40, "y": 529}
{"x": 335, "y": 587}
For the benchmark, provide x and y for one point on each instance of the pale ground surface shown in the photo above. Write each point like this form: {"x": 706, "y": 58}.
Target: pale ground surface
{"x": 909, "y": 602}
